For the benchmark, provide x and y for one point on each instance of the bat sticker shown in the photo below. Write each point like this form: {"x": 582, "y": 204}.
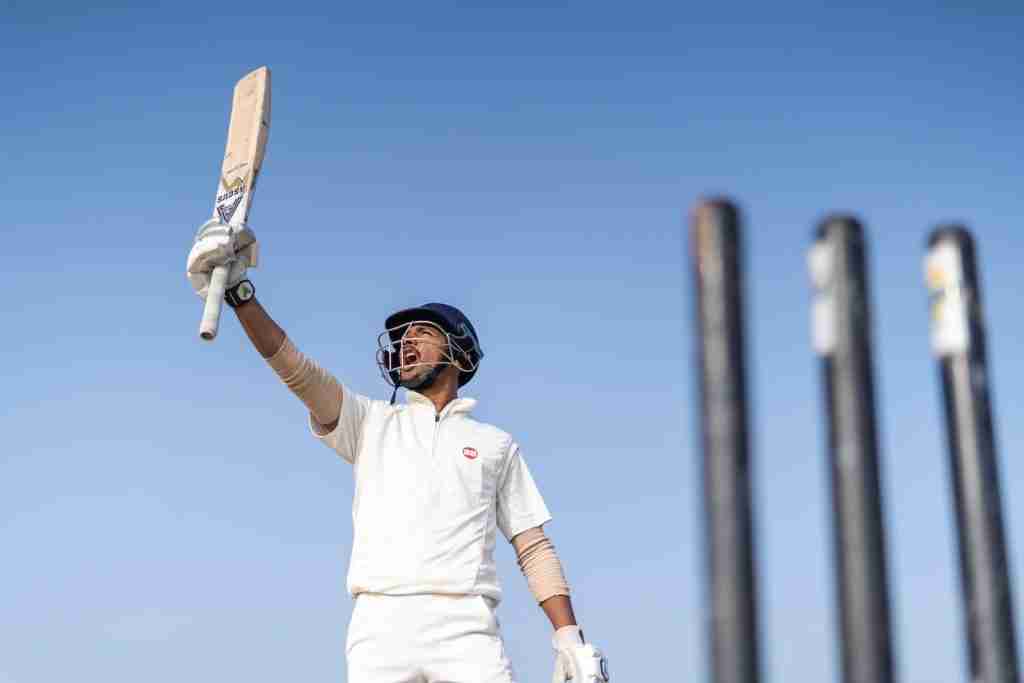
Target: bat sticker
{"x": 226, "y": 211}
{"x": 235, "y": 187}
{"x": 235, "y": 184}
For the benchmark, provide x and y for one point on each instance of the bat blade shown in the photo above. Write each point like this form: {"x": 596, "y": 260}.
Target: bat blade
{"x": 248, "y": 131}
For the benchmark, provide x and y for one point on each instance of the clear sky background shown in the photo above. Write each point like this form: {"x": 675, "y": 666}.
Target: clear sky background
{"x": 164, "y": 515}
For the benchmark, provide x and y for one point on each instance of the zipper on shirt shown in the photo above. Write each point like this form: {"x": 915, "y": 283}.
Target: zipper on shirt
{"x": 433, "y": 442}
{"x": 435, "y": 483}
{"x": 437, "y": 427}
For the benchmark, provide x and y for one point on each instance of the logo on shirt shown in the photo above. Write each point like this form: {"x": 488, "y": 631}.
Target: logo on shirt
{"x": 470, "y": 453}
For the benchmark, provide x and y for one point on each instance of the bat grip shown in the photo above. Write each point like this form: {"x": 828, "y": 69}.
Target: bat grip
{"x": 214, "y": 298}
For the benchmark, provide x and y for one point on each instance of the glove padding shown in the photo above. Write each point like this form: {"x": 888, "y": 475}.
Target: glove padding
{"x": 576, "y": 660}
{"x": 218, "y": 244}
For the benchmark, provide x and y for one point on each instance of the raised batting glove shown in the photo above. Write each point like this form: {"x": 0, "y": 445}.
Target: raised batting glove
{"x": 218, "y": 243}
{"x": 577, "y": 660}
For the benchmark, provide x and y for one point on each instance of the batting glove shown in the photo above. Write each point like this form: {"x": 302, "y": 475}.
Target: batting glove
{"x": 576, "y": 660}
{"x": 216, "y": 244}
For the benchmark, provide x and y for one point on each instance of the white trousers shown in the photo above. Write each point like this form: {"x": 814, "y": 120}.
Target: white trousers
{"x": 425, "y": 639}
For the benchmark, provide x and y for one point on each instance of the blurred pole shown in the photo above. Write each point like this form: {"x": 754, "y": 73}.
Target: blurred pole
{"x": 958, "y": 340}
{"x": 842, "y": 337}
{"x": 731, "y": 596}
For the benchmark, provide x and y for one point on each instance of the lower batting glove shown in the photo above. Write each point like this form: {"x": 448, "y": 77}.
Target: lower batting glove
{"x": 577, "y": 660}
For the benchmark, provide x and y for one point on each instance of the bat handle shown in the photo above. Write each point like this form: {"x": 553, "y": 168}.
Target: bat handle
{"x": 214, "y": 298}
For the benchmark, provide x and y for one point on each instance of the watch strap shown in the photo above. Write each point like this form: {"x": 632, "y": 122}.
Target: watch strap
{"x": 240, "y": 293}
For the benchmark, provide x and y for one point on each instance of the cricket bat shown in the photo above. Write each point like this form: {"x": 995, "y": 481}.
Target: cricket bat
{"x": 243, "y": 158}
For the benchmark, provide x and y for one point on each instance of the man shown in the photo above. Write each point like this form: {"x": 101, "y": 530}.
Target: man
{"x": 433, "y": 487}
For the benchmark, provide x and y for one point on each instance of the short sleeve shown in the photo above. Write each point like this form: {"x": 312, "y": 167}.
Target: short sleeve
{"x": 520, "y": 505}
{"x": 345, "y": 437}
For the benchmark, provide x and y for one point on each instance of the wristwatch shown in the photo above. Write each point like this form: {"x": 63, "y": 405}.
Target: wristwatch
{"x": 240, "y": 293}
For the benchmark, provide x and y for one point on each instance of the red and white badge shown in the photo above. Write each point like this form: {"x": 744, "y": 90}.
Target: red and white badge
{"x": 470, "y": 453}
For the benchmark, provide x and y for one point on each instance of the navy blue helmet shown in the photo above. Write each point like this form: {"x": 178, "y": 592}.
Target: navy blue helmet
{"x": 463, "y": 342}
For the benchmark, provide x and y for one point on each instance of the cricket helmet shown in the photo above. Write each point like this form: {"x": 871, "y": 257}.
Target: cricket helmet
{"x": 463, "y": 344}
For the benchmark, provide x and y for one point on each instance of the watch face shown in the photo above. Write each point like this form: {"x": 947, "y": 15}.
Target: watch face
{"x": 244, "y": 291}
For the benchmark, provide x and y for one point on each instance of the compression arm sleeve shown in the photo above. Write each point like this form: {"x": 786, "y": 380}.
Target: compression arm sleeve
{"x": 314, "y": 386}
{"x": 540, "y": 565}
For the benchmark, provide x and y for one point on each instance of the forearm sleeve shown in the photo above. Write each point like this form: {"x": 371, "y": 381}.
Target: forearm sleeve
{"x": 314, "y": 386}
{"x": 539, "y": 564}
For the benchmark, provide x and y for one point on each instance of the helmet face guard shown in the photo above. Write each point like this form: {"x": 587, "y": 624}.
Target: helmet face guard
{"x": 456, "y": 350}
{"x": 462, "y": 346}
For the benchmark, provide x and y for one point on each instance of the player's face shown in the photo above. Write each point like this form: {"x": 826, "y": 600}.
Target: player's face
{"x": 422, "y": 346}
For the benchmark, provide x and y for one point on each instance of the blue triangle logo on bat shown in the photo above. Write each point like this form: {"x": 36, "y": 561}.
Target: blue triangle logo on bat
{"x": 226, "y": 211}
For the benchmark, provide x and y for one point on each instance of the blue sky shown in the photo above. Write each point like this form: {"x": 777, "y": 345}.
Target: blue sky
{"x": 163, "y": 514}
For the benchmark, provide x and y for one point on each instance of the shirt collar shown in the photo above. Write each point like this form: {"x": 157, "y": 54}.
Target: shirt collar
{"x": 458, "y": 405}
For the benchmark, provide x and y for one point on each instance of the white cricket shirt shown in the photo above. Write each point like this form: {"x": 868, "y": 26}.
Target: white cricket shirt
{"x": 431, "y": 491}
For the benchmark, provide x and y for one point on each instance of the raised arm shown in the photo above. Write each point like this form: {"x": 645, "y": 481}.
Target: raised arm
{"x": 265, "y": 334}
{"x": 217, "y": 244}
{"x": 314, "y": 386}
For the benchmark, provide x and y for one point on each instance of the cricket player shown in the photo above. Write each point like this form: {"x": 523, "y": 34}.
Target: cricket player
{"x": 433, "y": 487}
